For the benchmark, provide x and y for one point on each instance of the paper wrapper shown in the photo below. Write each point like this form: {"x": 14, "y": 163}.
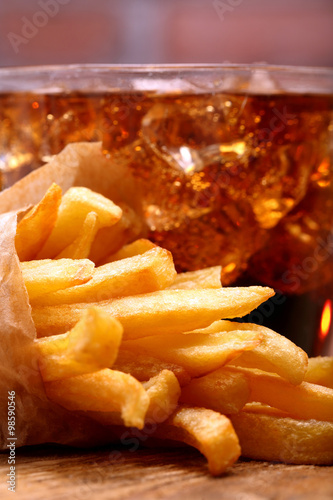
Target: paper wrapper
{"x": 37, "y": 419}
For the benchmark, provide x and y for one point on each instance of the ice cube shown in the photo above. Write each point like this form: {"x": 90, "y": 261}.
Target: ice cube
{"x": 189, "y": 212}
{"x": 242, "y": 142}
{"x": 298, "y": 257}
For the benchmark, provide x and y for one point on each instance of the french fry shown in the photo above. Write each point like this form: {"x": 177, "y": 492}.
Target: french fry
{"x": 138, "y": 247}
{"x": 37, "y": 225}
{"x": 136, "y": 275}
{"x": 275, "y": 353}
{"x": 80, "y": 248}
{"x": 110, "y": 239}
{"x": 46, "y": 276}
{"x": 143, "y": 367}
{"x": 90, "y": 346}
{"x": 75, "y": 205}
{"x": 163, "y": 391}
{"x": 283, "y": 439}
{"x": 103, "y": 391}
{"x": 208, "y": 431}
{"x": 320, "y": 371}
{"x": 210, "y": 277}
{"x": 164, "y": 311}
{"x": 220, "y": 390}
{"x": 304, "y": 401}
{"x": 198, "y": 353}
{"x": 263, "y": 409}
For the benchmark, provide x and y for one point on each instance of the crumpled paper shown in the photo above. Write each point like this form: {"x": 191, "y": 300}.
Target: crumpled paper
{"x": 37, "y": 419}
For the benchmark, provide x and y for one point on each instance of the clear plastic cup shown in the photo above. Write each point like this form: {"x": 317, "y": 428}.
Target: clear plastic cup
{"x": 234, "y": 162}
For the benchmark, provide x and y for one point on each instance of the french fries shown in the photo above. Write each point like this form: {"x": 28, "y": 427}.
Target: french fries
{"x": 111, "y": 239}
{"x": 275, "y": 353}
{"x": 284, "y": 439}
{"x": 104, "y": 391}
{"x": 143, "y": 367}
{"x": 90, "y": 346}
{"x": 125, "y": 339}
{"x": 209, "y": 277}
{"x": 220, "y": 390}
{"x": 138, "y": 247}
{"x": 263, "y": 409}
{"x": 320, "y": 371}
{"x": 208, "y": 431}
{"x": 81, "y": 246}
{"x": 163, "y": 391}
{"x": 308, "y": 401}
{"x": 198, "y": 353}
{"x": 42, "y": 277}
{"x": 36, "y": 226}
{"x": 75, "y": 205}
{"x": 165, "y": 311}
{"x": 154, "y": 270}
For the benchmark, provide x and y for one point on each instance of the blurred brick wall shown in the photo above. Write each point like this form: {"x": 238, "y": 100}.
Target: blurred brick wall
{"x": 253, "y": 31}
{"x": 166, "y": 31}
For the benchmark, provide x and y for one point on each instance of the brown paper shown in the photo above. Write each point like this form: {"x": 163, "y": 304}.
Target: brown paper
{"x": 37, "y": 419}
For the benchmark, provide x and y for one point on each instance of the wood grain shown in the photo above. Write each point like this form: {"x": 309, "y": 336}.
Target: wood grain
{"x": 56, "y": 473}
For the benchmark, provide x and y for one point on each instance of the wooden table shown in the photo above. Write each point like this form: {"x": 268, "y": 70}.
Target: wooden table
{"x": 55, "y": 473}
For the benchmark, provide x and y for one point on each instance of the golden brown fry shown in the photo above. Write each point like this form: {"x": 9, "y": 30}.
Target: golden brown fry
{"x": 76, "y": 203}
{"x": 261, "y": 408}
{"x": 198, "y": 353}
{"x": 210, "y": 277}
{"x": 144, "y": 273}
{"x": 283, "y": 439}
{"x": 138, "y": 247}
{"x": 103, "y": 391}
{"x": 208, "y": 431}
{"x": 220, "y": 390}
{"x": 303, "y": 401}
{"x": 275, "y": 353}
{"x": 45, "y": 276}
{"x": 320, "y": 371}
{"x": 110, "y": 239}
{"x": 165, "y": 311}
{"x": 143, "y": 367}
{"x": 80, "y": 248}
{"x": 90, "y": 346}
{"x": 37, "y": 225}
{"x": 163, "y": 391}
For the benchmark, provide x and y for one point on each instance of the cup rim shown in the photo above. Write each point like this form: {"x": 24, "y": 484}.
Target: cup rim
{"x": 320, "y": 70}
{"x": 256, "y": 78}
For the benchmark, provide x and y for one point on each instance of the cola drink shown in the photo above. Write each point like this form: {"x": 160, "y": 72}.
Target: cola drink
{"x": 241, "y": 179}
